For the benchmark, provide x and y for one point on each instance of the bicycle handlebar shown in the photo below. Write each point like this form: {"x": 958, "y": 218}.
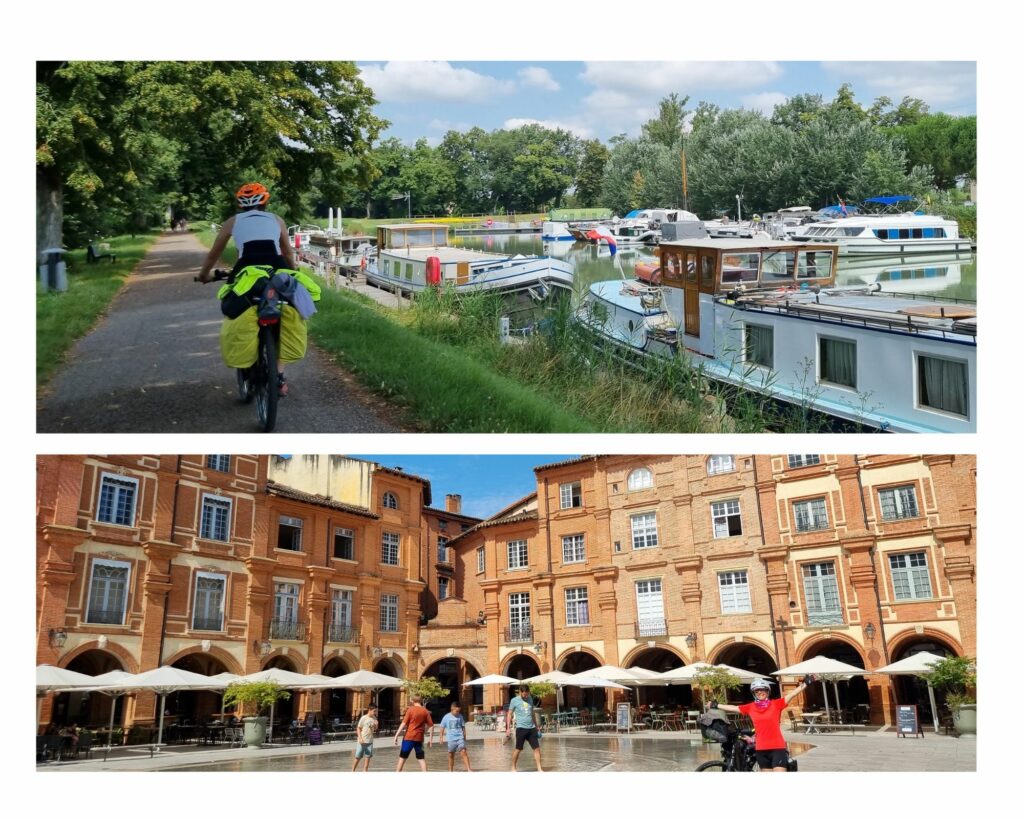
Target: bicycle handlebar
{"x": 218, "y": 275}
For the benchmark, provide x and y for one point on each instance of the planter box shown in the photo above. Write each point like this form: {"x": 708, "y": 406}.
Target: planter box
{"x": 255, "y": 731}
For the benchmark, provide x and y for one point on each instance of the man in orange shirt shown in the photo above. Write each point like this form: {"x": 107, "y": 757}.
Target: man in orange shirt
{"x": 416, "y": 720}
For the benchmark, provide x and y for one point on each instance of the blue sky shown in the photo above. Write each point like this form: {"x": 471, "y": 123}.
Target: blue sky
{"x": 487, "y": 483}
{"x": 601, "y": 99}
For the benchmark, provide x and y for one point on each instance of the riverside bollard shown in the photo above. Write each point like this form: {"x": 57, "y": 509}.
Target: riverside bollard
{"x": 53, "y": 274}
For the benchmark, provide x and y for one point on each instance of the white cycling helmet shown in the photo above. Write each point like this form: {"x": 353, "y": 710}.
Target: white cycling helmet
{"x": 762, "y": 684}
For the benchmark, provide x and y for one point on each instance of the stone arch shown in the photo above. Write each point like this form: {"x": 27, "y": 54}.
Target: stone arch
{"x": 561, "y": 658}
{"x": 658, "y": 657}
{"x": 512, "y": 656}
{"x": 901, "y": 641}
{"x": 390, "y": 700}
{"x": 639, "y": 650}
{"x": 281, "y": 658}
{"x": 809, "y": 647}
{"x": 398, "y": 668}
{"x": 750, "y": 654}
{"x": 223, "y": 657}
{"x": 127, "y": 661}
{"x": 855, "y": 693}
{"x": 347, "y": 658}
{"x": 909, "y": 688}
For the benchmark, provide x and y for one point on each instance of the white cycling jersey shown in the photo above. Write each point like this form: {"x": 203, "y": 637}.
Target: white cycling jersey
{"x": 255, "y": 226}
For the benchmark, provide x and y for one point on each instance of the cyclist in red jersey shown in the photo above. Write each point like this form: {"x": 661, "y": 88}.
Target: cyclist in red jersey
{"x": 766, "y": 714}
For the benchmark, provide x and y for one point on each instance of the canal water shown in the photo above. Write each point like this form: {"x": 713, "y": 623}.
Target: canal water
{"x": 950, "y": 278}
{"x": 565, "y": 754}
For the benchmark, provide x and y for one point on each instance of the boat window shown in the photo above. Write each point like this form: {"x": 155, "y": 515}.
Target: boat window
{"x": 942, "y": 384}
{"x": 759, "y": 345}
{"x": 707, "y": 271}
{"x": 881, "y": 233}
{"x": 740, "y": 267}
{"x": 915, "y": 233}
{"x": 940, "y": 233}
{"x": 837, "y": 362}
{"x": 904, "y": 233}
{"x": 814, "y": 265}
{"x": 778, "y": 267}
{"x": 417, "y": 238}
{"x": 691, "y": 268}
{"x": 671, "y": 265}
{"x": 852, "y": 231}
{"x": 408, "y": 270}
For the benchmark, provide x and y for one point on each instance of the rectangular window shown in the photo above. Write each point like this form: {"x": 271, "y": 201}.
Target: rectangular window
{"x": 481, "y": 560}
{"x": 810, "y": 515}
{"x": 822, "y": 593}
{"x": 285, "y": 625}
{"x": 442, "y": 549}
{"x": 910, "y": 576}
{"x": 796, "y": 461}
{"x": 117, "y": 500}
{"x": 837, "y": 362}
{"x": 645, "y": 530}
{"x": 571, "y": 495}
{"x": 219, "y": 463}
{"x": 289, "y": 533}
{"x": 344, "y": 544}
{"x": 650, "y": 610}
{"x": 577, "y": 608}
{"x": 734, "y": 592}
{"x": 518, "y": 557}
{"x": 389, "y": 612}
{"x": 389, "y": 548}
{"x": 442, "y": 588}
{"x": 759, "y": 345}
{"x": 108, "y": 592}
{"x": 717, "y": 464}
{"x": 942, "y": 385}
{"x": 898, "y": 503}
{"x": 740, "y": 267}
{"x": 216, "y": 519}
{"x": 573, "y": 550}
{"x": 341, "y": 630}
{"x": 519, "y": 630}
{"x": 814, "y": 265}
{"x": 208, "y": 609}
{"x": 442, "y": 526}
{"x": 725, "y": 518}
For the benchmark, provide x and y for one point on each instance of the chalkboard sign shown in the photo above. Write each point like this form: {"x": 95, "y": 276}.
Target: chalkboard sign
{"x": 906, "y": 721}
{"x": 623, "y": 717}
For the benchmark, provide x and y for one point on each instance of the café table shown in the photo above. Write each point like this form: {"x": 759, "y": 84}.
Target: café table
{"x": 811, "y": 717}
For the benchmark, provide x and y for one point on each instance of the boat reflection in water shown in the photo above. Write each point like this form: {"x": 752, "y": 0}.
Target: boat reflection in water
{"x": 899, "y": 276}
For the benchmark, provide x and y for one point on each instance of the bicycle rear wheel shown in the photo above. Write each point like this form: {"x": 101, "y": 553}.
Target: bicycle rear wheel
{"x": 711, "y": 766}
{"x": 265, "y": 376}
{"x": 245, "y": 386}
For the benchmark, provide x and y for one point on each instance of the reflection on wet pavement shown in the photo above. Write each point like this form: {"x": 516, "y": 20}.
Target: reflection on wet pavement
{"x": 612, "y": 753}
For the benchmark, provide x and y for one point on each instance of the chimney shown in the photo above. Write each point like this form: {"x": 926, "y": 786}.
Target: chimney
{"x": 453, "y": 503}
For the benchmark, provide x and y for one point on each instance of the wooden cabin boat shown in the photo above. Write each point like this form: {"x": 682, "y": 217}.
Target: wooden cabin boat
{"x": 765, "y": 315}
{"x": 348, "y": 251}
{"x": 402, "y": 259}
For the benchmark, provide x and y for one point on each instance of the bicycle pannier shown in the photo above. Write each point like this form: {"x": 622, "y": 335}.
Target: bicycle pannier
{"x": 239, "y": 340}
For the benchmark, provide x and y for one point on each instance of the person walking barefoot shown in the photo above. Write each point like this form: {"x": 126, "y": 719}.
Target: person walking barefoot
{"x": 520, "y": 713}
{"x": 365, "y": 730}
{"x": 414, "y": 724}
{"x": 453, "y": 725}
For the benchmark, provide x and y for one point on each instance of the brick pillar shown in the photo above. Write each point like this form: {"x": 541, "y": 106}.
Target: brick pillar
{"x": 958, "y": 566}
{"x": 318, "y": 600}
{"x": 607, "y": 607}
{"x": 777, "y": 583}
{"x": 156, "y": 585}
{"x": 369, "y": 619}
{"x": 689, "y": 569}
{"x": 166, "y": 489}
{"x": 259, "y": 601}
{"x": 863, "y": 578}
{"x": 492, "y": 611}
{"x": 544, "y": 628}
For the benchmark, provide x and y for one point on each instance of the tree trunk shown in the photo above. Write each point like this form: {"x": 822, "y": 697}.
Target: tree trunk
{"x": 49, "y": 210}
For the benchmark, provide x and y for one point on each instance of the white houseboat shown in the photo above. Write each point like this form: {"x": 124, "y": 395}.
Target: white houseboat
{"x": 888, "y": 235}
{"x": 402, "y": 263}
{"x": 348, "y": 251}
{"x": 765, "y": 315}
{"x": 557, "y": 227}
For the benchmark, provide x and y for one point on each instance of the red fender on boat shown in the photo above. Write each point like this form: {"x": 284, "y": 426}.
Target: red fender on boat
{"x": 433, "y": 271}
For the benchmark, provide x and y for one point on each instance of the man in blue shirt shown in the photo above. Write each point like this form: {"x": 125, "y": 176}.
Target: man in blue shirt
{"x": 520, "y": 712}
{"x": 453, "y": 726}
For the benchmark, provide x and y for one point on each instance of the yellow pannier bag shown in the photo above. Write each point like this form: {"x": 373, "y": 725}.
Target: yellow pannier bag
{"x": 292, "y": 346}
{"x": 239, "y": 340}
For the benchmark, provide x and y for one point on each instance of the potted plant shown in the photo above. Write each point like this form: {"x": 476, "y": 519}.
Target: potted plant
{"x": 428, "y": 689}
{"x": 260, "y": 696}
{"x": 957, "y": 677}
{"x": 714, "y": 684}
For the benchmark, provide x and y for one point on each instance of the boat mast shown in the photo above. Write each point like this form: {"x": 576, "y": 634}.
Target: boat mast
{"x": 682, "y": 161}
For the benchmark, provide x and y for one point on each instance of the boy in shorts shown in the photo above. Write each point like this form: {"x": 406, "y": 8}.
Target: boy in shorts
{"x": 453, "y": 725}
{"x": 414, "y": 724}
{"x": 520, "y": 714}
{"x": 365, "y": 729}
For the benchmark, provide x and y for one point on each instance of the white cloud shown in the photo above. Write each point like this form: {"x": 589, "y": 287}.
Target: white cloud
{"x": 539, "y": 78}
{"x": 937, "y": 83}
{"x": 426, "y": 81}
{"x": 581, "y": 131}
{"x": 660, "y": 78}
{"x": 765, "y": 103}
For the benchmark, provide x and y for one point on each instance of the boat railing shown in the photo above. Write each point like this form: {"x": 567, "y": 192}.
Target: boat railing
{"x": 914, "y": 325}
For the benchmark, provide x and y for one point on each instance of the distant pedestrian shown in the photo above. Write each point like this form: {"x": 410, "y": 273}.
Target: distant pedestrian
{"x": 414, "y": 724}
{"x": 453, "y": 726}
{"x": 520, "y": 713}
{"x": 365, "y": 729}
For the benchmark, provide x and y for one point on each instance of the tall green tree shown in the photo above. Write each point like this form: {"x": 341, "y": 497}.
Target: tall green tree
{"x": 591, "y": 174}
{"x": 947, "y": 144}
{"x": 667, "y": 128}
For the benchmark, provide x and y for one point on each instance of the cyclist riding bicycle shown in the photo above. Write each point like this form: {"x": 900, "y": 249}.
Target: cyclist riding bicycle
{"x": 261, "y": 239}
{"x": 766, "y": 714}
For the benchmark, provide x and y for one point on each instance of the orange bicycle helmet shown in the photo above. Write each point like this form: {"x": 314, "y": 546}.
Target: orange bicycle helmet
{"x": 252, "y": 193}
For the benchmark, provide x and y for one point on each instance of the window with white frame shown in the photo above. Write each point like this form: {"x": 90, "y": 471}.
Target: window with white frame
{"x": 442, "y": 588}
{"x": 650, "y": 609}
{"x": 759, "y": 345}
{"x": 442, "y": 549}
{"x": 389, "y": 612}
{"x": 108, "y": 592}
{"x": 573, "y": 549}
{"x": 943, "y": 384}
{"x": 796, "y": 461}
{"x": 208, "y": 605}
{"x": 898, "y": 502}
{"x": 117, "y": 500}
{"x": 390, "y": 500}
{"x": 289, "y": 533}
{"x": 725, "y": 518}
{"x": 519, "y": 617}
{"x": 481, "y": 560}
{"x": 645, "y": 530}
{"x": 518, "y": 556}
{"x": 577, "y": 607}
{"x": 717, "y": 464}
{"x": 641, "y": 478}
{"x": 910, "y": 578}
{"x": 570, "y": 495}
{"x": 219, "y": 463}
{"x": 837, "y": 361}
{"x": 389, "y": 542}
{"x": 734, "y": 592}
{"x": 810, "y": 515}
{"x": 285, "y": 625}
{"x": 344, "y": 543}
{"x": 341, "y": 630}
{"x": 216, "y": 518}
{"x": 821, "y": 591}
